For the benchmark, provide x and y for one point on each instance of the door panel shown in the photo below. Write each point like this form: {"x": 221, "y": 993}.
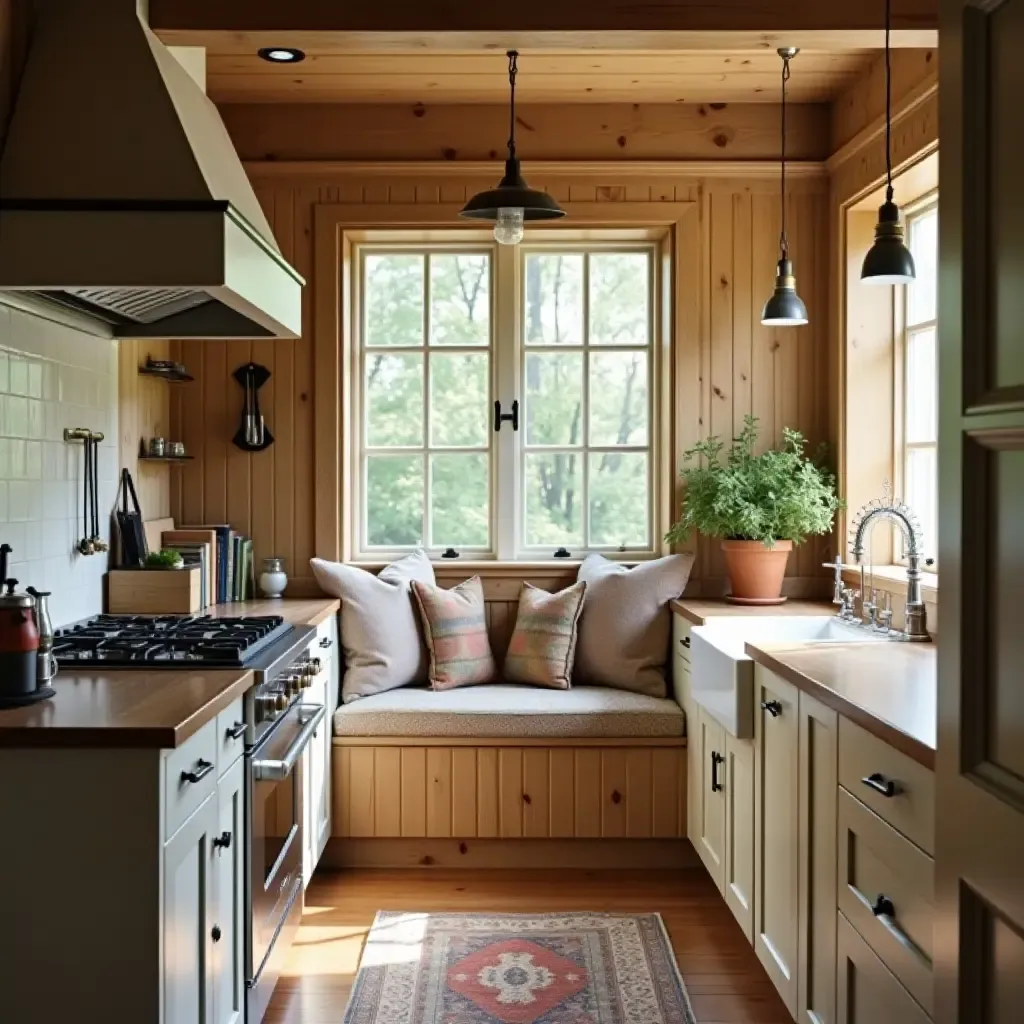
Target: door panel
{"x": 227, "y": 870}
{"x": 738, "y": 869}
{"x": 710, "y": 841}
{"x": 776, "y": 797}
{"x": 978, "y": 949}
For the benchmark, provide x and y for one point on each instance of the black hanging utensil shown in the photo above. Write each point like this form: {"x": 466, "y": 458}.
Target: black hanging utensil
{"x": 252, "y": 435}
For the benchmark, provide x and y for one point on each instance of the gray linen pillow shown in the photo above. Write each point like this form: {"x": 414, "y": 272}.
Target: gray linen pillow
{"x": 381, "y": 634}
{"x": 625, "y": 626}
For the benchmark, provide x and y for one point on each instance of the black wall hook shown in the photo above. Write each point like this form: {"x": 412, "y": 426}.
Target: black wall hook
{"x": 252, "y": 435}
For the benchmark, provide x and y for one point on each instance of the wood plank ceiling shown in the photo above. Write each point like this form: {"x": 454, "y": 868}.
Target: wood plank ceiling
{"x": 235, "y": 74}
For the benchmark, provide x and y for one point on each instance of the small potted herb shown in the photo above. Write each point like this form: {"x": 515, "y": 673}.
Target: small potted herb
{"x": 760, "y": 505}
{"x": 166, "y": 558}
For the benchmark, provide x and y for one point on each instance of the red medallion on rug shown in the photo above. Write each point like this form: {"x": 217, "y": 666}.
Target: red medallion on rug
{"x": 518, "y": 969}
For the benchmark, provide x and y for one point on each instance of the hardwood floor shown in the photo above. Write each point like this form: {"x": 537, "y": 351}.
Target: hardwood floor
{"x": 724, "y": 979}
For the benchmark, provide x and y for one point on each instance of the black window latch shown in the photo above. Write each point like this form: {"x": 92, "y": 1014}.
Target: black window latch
{"x": 450, "y": 553}
{"x": 500, "y": 417}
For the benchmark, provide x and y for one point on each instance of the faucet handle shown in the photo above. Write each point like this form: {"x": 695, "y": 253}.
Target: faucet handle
{"x": 837, "y": 587}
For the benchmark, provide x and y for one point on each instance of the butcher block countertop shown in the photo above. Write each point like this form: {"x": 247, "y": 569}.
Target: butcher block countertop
{"x": 157, "y": 708}
{"x": 890, "y": 689}
{"x": 698, "y": 611}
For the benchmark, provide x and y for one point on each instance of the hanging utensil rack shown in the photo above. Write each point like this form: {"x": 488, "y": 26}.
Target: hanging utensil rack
{"x": 91, "y": 543}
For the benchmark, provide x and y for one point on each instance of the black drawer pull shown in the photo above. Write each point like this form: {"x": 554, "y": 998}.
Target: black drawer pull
{"x": 773, "y": 707}
{"x": 215, "y": 933}
{"x": 880, "y": 784}
{"x": 223, "y": 840}
{"x": 883, "y": 907}
{"x": 326, "y": 642}
{"x": 201, "y": 770}
{"x": 236, "y": 731}
{"x": 716, "y": 760}
{"x": 685, "y": 642}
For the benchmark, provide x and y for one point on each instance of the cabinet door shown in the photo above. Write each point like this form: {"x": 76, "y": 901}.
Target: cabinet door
{"x": 227, "y": 870}
{"x": 317, "y": 822}
{"x": 738, "y": 868}
{"x": 818, "y": 817}
{"x": 868, "y": 992}
{"x": 188, "y": 907}
{"x": 710, "y": 841}
{"x": 681, "y": 691}
{"x": 775, "y": 831}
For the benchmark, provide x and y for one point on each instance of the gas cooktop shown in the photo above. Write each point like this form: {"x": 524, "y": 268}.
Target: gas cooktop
{"x": 168, "y": 641}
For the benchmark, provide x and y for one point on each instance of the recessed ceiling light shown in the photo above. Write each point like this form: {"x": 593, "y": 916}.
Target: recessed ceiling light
{"x": 281, "y": 54}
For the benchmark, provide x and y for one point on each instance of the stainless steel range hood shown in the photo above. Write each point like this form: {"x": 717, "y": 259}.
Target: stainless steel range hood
{"x": 121, "y": 195}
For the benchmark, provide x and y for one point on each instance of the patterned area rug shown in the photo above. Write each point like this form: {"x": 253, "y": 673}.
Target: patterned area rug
{"x": 518, "y": 969}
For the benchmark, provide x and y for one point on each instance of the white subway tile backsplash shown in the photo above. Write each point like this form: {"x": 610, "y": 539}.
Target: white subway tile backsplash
{"x": 52, "y": 377}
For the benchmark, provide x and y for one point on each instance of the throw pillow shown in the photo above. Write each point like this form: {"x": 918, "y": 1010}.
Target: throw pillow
{"x": 625, "y": 626}
{"x": 380, "y": 631}
{"x": 456, "y": 631}
{"x": 543, "y": 644}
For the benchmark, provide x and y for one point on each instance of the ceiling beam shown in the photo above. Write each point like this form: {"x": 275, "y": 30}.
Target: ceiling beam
{"x": 545, "y": 24}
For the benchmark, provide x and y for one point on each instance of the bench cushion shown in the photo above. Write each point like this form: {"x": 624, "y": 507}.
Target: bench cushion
{"x": 516, "y": 712}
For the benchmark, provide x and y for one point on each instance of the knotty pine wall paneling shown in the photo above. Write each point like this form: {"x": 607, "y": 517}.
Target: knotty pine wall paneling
{"x": 733, "y": 366}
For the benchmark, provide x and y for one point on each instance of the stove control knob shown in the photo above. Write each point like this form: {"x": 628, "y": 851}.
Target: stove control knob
{"x": 281, "y": 701}
{"x": 313, "y": 669}
{"x": 265, "y": 709}
{"x": 293, "y": 683}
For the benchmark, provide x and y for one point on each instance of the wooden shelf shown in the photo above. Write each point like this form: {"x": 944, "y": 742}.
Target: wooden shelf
{"x": 168, "y": 375}
{"x": 165, "y": 458}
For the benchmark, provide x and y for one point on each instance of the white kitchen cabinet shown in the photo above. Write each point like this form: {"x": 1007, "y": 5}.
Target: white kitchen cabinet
{"x": 776, "y": 827}
{"x": 738, "y": 854}
{"x": 227, "y": 871}
{"x": 316, "y": 781}
{"x": 189, "y": 909}
{"x": 710, "y": 836}
{"x": 818, "y": 789}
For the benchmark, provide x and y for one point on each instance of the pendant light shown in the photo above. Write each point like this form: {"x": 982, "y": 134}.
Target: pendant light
{"x": 513, "y": 201}
{"x": 785, "y": 308}
{"x": 888, "y": 261}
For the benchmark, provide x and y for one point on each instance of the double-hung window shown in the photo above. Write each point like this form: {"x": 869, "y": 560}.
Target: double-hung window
{"x": 560, "y": 338}
{"x": 920, "y": 376}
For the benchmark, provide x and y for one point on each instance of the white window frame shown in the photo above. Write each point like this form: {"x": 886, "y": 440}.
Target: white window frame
{"x": 905, "y": 330}
{"x": 507, "y": 364}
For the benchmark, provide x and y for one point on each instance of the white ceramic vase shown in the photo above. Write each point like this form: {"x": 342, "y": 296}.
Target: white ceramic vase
{"x": 273, "y": 579}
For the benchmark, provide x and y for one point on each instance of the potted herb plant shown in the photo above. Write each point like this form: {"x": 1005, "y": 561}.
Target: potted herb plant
{"x": 760, "y": 505}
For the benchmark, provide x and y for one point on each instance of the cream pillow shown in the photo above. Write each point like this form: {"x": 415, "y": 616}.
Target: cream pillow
{"x": 455, "y": 623}
{"x": 625, "y": 626}
{"x": 380, "y": 631}
{"x": 543, "y": 644}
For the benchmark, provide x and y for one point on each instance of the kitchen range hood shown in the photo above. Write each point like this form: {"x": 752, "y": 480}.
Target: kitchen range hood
{"x": 121, "y": 195}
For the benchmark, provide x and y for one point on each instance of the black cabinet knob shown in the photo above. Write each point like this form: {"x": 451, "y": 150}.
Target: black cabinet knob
{"x": 215, "y": 933}
{"x": 685, "y": 641}
{"x": 223, "y": 840}
{"x": 883, "y": 907}
{"x": 773, "y": 707}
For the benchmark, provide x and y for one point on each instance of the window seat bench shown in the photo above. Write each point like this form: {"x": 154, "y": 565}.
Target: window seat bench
{"x": 509, "y": 776}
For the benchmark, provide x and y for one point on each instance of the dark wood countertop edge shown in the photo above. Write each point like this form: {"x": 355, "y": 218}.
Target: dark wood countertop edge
{"x": 886, "y": 731}
{"x": 212, "y": 708}
{"x": 332, "y": 609}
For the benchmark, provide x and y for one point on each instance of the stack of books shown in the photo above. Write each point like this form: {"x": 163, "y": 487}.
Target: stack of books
{"x": 225, "y": 558}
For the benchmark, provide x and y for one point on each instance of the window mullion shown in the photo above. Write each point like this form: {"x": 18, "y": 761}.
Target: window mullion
{"x": 585, "y": 411}
{"x": 504, "y": 353}
{"x": 428, "y": 518}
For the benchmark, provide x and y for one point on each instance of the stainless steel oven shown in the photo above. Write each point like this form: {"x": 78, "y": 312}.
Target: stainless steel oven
{"x": 275, "y": 846}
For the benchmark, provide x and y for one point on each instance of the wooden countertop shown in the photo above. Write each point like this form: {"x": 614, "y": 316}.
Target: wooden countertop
{"x": 136, "y": 708}
{"x": 698, "y": 611}
{"x": 305, "y": 611}
{"x": 145, "y": 707}
{"x": 888, "y": 688}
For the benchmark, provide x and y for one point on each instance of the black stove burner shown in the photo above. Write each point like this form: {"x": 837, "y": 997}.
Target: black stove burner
{"x": 167, "y": 640}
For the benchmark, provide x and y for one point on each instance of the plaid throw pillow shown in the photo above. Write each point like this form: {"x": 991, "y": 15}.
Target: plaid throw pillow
{"x": 543, "y": 645}
{"x": 456, "y": 630}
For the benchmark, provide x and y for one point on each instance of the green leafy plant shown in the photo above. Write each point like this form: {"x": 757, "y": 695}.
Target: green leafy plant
{"x": 167, "y": 558}
{"x": 776, "y": 495}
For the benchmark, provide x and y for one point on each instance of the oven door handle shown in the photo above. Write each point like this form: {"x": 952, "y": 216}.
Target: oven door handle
{"x": 311, "y": 716}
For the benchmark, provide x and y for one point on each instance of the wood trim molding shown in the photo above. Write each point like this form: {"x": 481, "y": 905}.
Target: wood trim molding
{"x": 335, "y": 223}
{"x": 511, "y": 743}
{"x": 620, "y": 171}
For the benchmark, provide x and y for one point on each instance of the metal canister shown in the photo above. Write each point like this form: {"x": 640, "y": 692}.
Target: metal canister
{"x": 157, "y": 446}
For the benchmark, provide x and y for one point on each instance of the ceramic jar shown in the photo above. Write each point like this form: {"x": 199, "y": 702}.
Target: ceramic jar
{"x": 273, "y": 579}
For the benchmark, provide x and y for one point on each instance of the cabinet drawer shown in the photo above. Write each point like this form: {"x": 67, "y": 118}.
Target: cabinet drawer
{"x": 867, "y": 766}
{"x": 230, "y": 736}
{"x": 190, "y": 776}
{"x": 868, "y": 992}
{"x": 681, "y": 637}
{"x": 881, "y": 870}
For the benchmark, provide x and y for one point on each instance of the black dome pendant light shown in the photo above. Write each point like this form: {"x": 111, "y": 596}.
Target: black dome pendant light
{"x": 785, "y": 308}
{"x": 513, "y": 201}
{"x": 888, "y": 261}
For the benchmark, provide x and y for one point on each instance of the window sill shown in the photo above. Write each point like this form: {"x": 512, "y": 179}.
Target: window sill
{"x": 893, "y": 579}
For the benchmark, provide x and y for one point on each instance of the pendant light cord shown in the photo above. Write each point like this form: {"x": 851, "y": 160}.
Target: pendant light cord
{"x": 888, "y": 107}
{"x": 513, "y": 57}
{"x": 783, "y": 241}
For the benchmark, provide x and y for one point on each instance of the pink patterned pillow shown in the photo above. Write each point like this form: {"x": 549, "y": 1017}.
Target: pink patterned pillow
{"x": 543, "y": 645}
{"x": 456, "y": 630}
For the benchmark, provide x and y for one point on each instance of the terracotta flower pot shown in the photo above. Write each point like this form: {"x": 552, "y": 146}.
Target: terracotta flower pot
{"x": 756, "y": 571}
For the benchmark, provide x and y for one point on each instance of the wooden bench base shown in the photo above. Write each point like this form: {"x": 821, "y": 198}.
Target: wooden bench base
{"x": 416, "y": 789}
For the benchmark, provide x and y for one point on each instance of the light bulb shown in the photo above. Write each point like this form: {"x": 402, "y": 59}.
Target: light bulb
{"x": 508, "y": 228}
